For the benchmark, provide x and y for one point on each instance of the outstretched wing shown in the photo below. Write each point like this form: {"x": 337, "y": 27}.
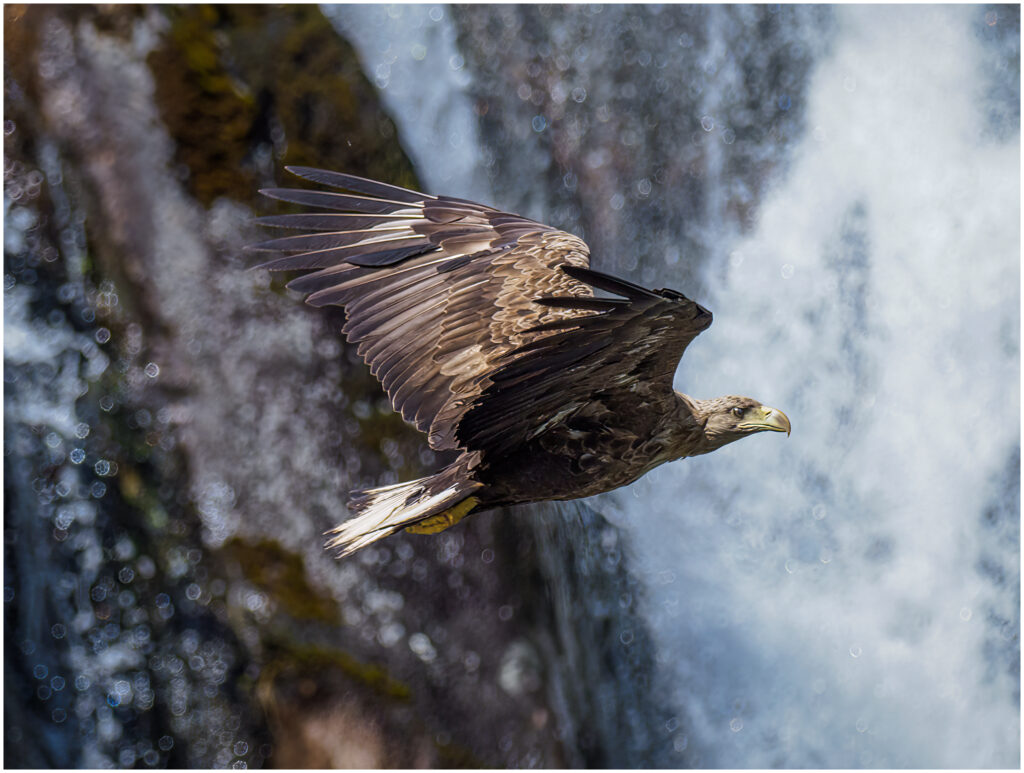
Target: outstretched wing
{"x": 627, "y": 351}
{"x": 436, "y": 290}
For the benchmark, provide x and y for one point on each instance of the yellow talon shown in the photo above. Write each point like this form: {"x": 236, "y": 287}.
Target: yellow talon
{"x": 445, "y": 520}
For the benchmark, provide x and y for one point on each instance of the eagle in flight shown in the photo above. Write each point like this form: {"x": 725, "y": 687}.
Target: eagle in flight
{"x": 485, "y": 331}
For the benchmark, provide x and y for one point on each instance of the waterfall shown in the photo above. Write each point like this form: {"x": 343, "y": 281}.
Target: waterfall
{"x": 849, "y": 597}
{"x": 842, "y": 190}
{"x": 410, "y": 53}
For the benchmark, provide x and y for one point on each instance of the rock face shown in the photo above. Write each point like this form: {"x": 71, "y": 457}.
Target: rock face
{"x": 180, "y": 431}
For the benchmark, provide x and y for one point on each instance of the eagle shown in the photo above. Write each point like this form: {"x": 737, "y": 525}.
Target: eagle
{"x": 485, "y": 331}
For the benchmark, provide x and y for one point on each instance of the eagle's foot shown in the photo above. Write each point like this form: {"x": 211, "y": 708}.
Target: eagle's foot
{"x": 447, "y": 519}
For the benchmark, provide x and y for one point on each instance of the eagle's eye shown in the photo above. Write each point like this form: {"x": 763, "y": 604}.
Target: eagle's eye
{"x": 737, "y": 412}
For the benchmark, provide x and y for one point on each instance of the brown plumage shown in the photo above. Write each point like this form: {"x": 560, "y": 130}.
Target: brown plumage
{"x": 484, "y": 329}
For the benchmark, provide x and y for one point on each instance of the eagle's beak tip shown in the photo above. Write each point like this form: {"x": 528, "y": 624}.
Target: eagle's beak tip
{"x": 777, "y": 420}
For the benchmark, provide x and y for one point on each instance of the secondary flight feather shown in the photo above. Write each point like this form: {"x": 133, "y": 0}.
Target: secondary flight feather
{"x": 484, "y": 329}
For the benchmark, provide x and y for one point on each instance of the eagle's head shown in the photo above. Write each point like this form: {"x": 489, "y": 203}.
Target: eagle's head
{"x": 730, "y": 418}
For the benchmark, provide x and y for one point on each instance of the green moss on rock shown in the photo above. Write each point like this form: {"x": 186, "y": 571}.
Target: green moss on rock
{"x": 313, "y": 85}
{"x": 281, "y": 574}
{"x": 209, "y": 113}
{"x": 229, "y": 78}
{"x": 316, "y": 660}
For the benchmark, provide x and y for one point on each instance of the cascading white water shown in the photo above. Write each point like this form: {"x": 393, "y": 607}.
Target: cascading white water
{"x": 847, "y": 597}
{"x": 824, "y": 600}
{"x": 409, "y": 51}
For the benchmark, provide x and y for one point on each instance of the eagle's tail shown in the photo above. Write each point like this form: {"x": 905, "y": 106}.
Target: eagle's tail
{"x": 422, "y": 506}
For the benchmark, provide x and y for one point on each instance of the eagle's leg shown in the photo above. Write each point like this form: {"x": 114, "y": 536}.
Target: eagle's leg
{"x": 444, "y": 520}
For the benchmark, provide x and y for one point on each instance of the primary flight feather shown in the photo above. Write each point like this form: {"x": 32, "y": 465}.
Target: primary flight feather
{"x": 485, "y": 332}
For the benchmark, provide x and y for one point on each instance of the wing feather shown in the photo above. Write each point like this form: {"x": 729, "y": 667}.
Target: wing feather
{"x": 606, "y": 353}
{"x": 332, "y": 221}
{"x": 368, "y": 255}
{"x": 327, "y": 200}
{"x": 323, "y": 241}
{"x": 481, "y": 325}
{"x": 350, "y": 182}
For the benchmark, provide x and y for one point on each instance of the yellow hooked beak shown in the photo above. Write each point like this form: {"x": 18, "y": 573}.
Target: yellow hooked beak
{"x": 765, "y": 418}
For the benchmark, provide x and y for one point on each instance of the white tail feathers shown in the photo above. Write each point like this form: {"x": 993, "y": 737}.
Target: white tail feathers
{"x": 383, "y": 511}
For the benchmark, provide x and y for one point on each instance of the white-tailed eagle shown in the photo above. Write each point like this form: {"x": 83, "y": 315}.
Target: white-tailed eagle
{"x": 484, "y": 329}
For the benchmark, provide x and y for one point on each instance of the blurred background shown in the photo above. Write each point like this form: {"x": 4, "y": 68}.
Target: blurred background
{"x": 840, "y": 185}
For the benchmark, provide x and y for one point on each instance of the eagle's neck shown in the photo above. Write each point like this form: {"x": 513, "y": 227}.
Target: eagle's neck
{"x": 691, "y": 421}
